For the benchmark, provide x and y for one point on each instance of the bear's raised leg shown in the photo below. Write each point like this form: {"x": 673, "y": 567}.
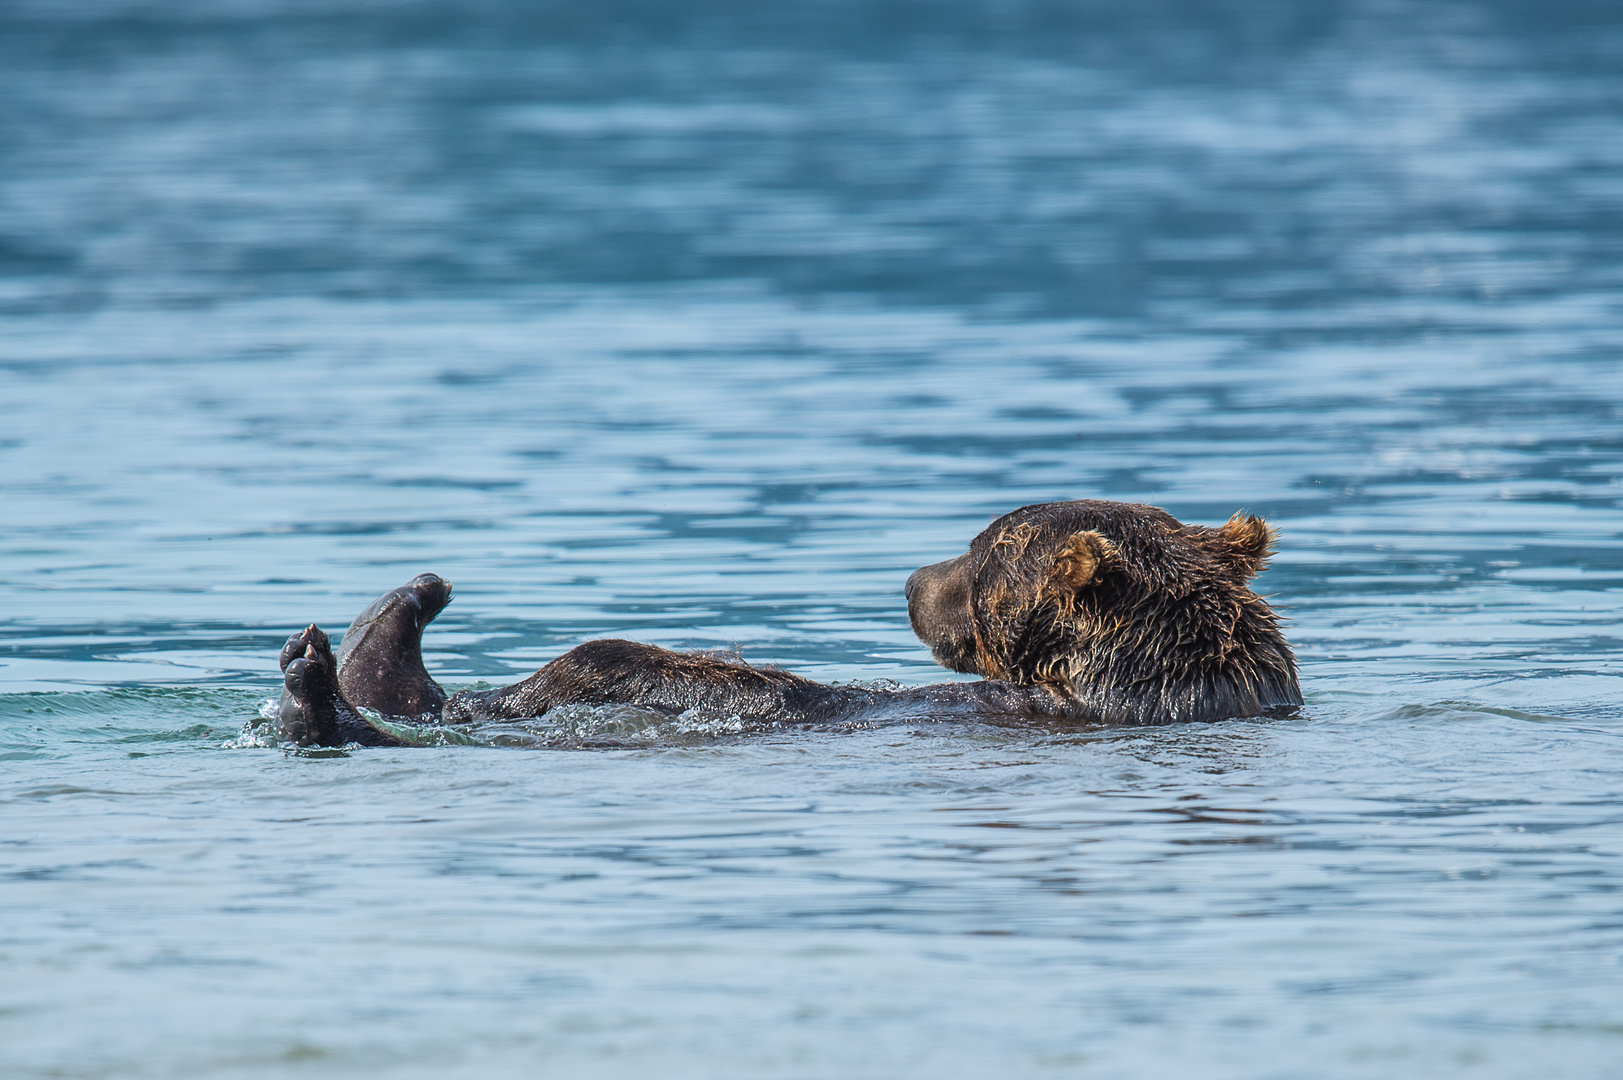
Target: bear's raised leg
{"x": 312, "y": 710}
{"x": 380, "y": 662}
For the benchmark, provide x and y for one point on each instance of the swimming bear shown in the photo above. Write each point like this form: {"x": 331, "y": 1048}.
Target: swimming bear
{"x": 1084, "y": 611}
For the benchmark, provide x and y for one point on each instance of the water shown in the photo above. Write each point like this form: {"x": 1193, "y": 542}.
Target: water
{"x": 704, "y": 324}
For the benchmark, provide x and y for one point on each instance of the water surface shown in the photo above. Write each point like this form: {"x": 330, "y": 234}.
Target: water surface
{"x": 704, "y": 325}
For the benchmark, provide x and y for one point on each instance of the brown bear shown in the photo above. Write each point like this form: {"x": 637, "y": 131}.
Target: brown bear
{"x": 1122, "y": 611}
{"x": 1086, "y": 611}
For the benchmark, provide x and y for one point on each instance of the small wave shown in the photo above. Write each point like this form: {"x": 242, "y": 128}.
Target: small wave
{"x": 260, "y": 733}
{"x": 611, "y": 726}
{"x": 883, "y": 685}
{"x": 608, "y": 726}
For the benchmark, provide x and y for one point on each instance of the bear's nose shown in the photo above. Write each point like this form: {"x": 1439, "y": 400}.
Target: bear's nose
{"x": 911, "y": 587}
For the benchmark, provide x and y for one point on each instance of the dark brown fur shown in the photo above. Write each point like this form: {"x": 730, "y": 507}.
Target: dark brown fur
{"x": 1123, "y": 610}
{"x": 1085, "y": 611}
{"x": 380, "y": 662}
{"x": 613, "y": 672}
{"x": 314, "y": 710}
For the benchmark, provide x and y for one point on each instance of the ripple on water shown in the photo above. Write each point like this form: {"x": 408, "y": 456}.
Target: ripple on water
{"x": 705, "y": 326}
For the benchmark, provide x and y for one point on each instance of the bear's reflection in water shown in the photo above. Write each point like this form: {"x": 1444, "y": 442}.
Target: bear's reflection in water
{"x": 1083, "y": 612}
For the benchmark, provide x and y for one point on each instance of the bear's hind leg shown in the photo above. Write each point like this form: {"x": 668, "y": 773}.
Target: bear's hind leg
{"x": 380, "y": 663}
{"x": 307, "y": 712}
{"x": 312, "y": 710}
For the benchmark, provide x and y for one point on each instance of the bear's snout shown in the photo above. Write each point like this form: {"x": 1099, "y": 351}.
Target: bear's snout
{"x": 938, "y": 607}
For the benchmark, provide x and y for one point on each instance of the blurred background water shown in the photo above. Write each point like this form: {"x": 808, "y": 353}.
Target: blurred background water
{"x": 704, "y": 324}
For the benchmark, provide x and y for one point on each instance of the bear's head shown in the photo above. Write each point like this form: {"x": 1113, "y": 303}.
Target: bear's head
{"x": 1121, "y": 608}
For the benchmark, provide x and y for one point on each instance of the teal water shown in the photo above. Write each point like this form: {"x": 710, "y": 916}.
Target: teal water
{"x": 704, "y": 326}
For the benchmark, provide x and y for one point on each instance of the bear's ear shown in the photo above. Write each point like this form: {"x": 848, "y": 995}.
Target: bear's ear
{"x": 1246, "y": 541}
{"x": 1083, "y": 559}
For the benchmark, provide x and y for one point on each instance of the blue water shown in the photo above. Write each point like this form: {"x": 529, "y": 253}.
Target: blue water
{"x": 704, "y": 324}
